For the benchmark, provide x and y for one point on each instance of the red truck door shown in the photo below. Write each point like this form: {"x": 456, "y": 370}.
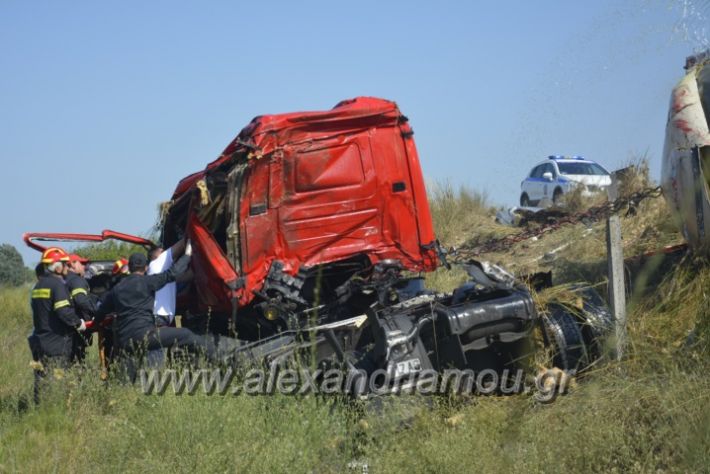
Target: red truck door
{"x": 330, "y": 208}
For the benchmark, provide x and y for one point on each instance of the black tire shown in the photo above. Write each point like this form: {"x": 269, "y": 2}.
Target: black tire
{"x": 564, "y": 335}
{"x": 524, "y": 200}
{"x": 578, "y": 336}
{"x": 597, "y": 322}
{"x": 557, "y": 197}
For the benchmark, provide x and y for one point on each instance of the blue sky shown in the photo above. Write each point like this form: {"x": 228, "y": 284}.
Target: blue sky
{"x": 104, "y": 106}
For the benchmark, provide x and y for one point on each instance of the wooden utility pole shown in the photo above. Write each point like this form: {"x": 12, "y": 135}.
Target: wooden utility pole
{"x": 615, "y": 263}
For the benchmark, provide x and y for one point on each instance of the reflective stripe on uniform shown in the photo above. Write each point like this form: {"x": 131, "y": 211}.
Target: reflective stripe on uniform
{"x": 61, "y": 304}
{"x": 42, "y": 293}
{"x": 78, "y": 291}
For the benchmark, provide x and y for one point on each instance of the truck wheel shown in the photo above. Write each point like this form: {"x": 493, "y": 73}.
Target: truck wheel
{"x": 596, "y": 321}
{"x": 564, "y": 335}
{"x": 524, "y": 200}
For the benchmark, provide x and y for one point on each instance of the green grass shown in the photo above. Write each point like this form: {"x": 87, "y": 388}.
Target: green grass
{"x": 649, "y": 413}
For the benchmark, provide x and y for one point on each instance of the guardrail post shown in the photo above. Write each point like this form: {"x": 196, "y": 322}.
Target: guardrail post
{"x": 615, "y": 265}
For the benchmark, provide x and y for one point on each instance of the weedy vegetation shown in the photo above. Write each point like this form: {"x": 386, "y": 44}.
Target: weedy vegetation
{"x": 647, "y": 413}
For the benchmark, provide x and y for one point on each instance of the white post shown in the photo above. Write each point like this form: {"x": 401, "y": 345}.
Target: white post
{"x": 615, "y": 263}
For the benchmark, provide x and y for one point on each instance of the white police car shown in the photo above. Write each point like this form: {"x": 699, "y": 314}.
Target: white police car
{"x": 551, "y": 179}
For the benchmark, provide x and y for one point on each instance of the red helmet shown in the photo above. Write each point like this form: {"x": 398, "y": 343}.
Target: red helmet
{"x": 120, "y": 266}
{"x": 53, "y": 255}
{"x": 78, "y": 258}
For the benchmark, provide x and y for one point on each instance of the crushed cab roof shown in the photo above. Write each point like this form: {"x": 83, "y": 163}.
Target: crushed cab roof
{"x": 265, "y": 133}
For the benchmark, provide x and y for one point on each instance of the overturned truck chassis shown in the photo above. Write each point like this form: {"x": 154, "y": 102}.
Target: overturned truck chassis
{"x": 311, "y": 233}
{"x": 484, "y": 325}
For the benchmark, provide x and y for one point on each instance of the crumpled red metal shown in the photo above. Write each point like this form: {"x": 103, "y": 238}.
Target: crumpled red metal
{"x": 320, "y": 187}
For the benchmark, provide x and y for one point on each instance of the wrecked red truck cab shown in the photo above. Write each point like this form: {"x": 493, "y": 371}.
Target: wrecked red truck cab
{"x": 302, "y": 191}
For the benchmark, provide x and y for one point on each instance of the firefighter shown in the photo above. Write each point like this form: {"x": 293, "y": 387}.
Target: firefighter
{"x": 132, "y": 300}
{"x": 83, "y": 302}
{"x": 106, "y": 334}
{"x": 54, "y": 319}
{"x": 118, "y": 271}
{"x": 120, "y": 268}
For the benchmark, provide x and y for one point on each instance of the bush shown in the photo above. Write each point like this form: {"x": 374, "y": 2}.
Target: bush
{"x": 12, "y": 268}
{"x": 458, "y": 213}
{"x": 108, "y": 250}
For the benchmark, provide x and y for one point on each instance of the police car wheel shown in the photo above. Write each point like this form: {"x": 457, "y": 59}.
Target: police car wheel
{"x": 524, "y": 200}
{"x": 557, "y": 197}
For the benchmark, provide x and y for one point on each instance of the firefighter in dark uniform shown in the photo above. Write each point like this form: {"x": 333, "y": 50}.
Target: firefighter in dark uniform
{"x": 82, "y": 300}
{"x": 78, "y": 287}
{"x": 132, "y": 300}
{"x": 107, "y": 352}
{"x": 55, "y": 321}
